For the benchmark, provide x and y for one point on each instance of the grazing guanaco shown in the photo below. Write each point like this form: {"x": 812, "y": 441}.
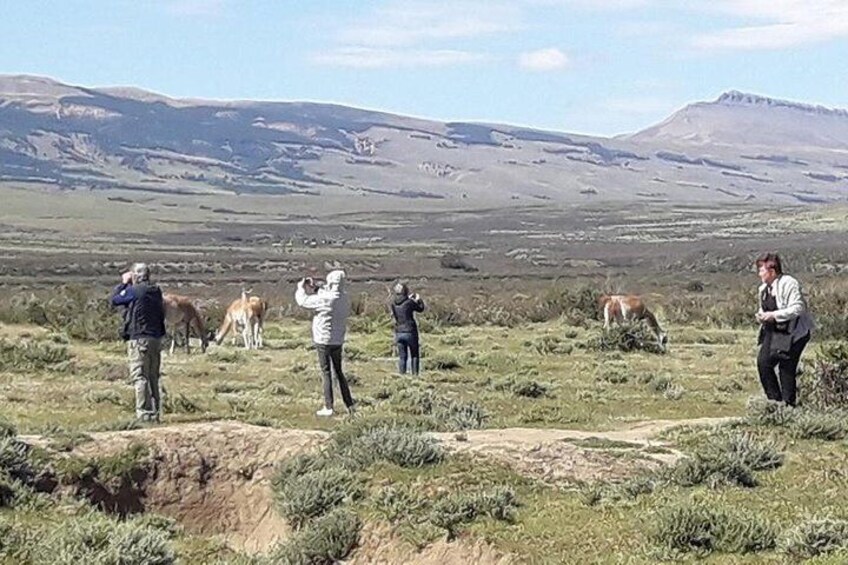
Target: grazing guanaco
{"x": 182, "y": 314}
{"x": 629, "y": 307}
{"x": 248, "y": 315}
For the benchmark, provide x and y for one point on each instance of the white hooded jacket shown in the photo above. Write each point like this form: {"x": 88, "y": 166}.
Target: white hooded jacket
{"x": 332, "y": 307}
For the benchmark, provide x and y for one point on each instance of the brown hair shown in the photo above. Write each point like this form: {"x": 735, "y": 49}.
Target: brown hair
{"x": 771, "y": 261}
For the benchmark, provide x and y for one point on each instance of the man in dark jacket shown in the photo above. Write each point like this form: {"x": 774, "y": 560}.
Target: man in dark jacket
{"x": 144, "y": 328}
{"x": 403, "y": 308}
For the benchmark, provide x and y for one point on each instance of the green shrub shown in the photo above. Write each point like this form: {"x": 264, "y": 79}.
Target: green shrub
{"x": 94, "y": 538}
{"x": 15, "y": 461}
{"x": 33, "y": 355}
{"x": 73, "y": 310}
{"x": 627, "y": 338}
{"x": 327, "y": 540}
{"x": 307, "y": 496}
{"x": 696, "y": 527}
{"x": 810, "y": 424}
{"x": 444, "y": 414}
{"x": 727, "y": 459}
{"x": 523, "y": 386}
{"x": 762, "y": 412}
{"x": 398, "y": 502}
{"x": 443, "y": 362}
{"x": 814, "y": 537}
{"x": 551, "y": 345}
{"x": 453, "y": 510}
{"x": 7, "y": 429}
{"x": 402, "y": 446}
{"x": 826, "y": 386}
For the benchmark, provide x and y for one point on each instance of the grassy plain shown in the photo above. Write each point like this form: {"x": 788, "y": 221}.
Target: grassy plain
{"x": 509, "y": 342}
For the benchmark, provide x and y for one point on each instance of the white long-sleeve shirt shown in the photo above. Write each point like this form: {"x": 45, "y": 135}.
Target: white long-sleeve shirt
{"x": 332, "y": 307}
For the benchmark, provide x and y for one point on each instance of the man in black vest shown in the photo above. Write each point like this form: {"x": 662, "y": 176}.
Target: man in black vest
{"x": 144, "y": 327}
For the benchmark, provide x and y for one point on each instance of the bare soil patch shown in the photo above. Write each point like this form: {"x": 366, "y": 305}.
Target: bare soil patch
{"x": 550, "y": 455}
{"x": 214, "y": 478}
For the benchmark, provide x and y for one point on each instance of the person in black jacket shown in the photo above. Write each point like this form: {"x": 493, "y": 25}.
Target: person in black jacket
{"x": 143, "y": 330}
{"x": 403, "y": 307}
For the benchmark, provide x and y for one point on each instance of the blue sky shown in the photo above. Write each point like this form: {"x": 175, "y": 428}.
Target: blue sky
{"x": 583, "y": 66}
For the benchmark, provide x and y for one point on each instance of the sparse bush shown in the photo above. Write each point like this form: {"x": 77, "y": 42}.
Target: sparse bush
{"x": 168, "y": 526}
{"x": 523, "y": 386}
{"x": 33, "y": 355}
{"x": 814, "y": 537}
{"x": 7, "y": 429}
{"x": 398, "y": 502}
{"x": 15, "y": 461}
{"x": 443, "y": 362}
{"x": 762, "y": 412}
{"x": 456, "y": 261}
{"x": 659, "y": 384}
{"x": 551, "y": 345}
{"x": 95, "y": 538}
{"x": 402, "y": 446}
{"x": 444, "y": 414}
{"x": 314, "y": 493}
{"x": 614, "y": 375}
{"x": 674, "y": 392}
{"x": 809, "y": 424}
{"x": 101, "y": 396}
{"x": 826, "y": 386}
{"x": 627, "y": 338}
{"x": 327, "y": 540}
{"x": 457, "y": 415}
{"x": 179, "y": 404}
{"x": 696, "y": 527}
{"x": 453, "y": 510}
{"x": 727, "y": 459}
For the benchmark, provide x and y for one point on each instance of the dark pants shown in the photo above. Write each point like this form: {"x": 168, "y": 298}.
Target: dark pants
{"x": 407, "y": 343}
{"x": 787, "y": 368}
{"x": 331, "y": 356}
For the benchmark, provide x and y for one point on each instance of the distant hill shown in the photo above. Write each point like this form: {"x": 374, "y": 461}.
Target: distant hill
{"x": 741, "y": 147}
{"x": 740, "y": 119}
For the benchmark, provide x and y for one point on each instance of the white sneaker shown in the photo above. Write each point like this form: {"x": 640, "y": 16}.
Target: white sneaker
{"x": 324, "y": 412}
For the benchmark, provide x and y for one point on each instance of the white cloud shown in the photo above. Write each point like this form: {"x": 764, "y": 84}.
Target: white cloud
{"x": 202, "y": 8}
{"x": 785, "y": 23}
{"x": 550, "y": 59}
{"x": 412, "y": 22}
{"x": 376, "y": 58}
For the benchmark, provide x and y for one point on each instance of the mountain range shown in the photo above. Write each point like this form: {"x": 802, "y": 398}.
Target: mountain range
{"x": 738, "y": 148}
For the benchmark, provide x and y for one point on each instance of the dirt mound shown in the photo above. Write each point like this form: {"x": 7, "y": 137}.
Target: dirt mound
{"x": 214, "y": 478}
{"x": 378, "y": 546}
{"x": 574, "y": 455}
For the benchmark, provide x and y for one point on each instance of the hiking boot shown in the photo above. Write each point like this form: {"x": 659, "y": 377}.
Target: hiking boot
{"x": 324, "y": 412}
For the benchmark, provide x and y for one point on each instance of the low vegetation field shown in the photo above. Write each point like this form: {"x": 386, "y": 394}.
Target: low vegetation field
{"x": 531, "y": 436}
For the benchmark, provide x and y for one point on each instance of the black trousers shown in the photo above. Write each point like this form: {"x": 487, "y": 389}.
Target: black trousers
{"x": 330, "y": 361}
{"x": 407, "y": 343}
{"x": 784, "y": 389}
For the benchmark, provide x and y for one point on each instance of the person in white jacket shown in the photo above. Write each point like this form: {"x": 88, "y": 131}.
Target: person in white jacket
{"x": 785, "y": 328}
{"x": 332, "y": 307}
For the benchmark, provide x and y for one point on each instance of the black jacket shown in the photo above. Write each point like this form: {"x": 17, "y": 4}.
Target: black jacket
{"x": 403, "y": 310}
{"x": 145, "y": 310}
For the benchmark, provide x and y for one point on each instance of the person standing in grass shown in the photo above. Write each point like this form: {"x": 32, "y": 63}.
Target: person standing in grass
{"x": 332, "y": 308}
{"x": 404, "y": 306}
{"x": 785, "y": 328}
{"x": 144, "y": 328}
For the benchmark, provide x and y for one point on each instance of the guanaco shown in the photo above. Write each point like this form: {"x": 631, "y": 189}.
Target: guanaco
{"x": 181, "y": 313}
{"x": 629, "y": 307}
{"x": 248, "y": 315}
